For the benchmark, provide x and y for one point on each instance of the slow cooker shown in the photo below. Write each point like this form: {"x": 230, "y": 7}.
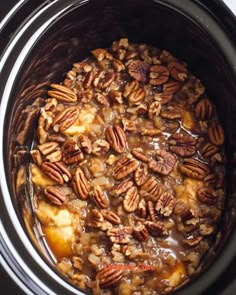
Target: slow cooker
{"x": 41, "y": 39}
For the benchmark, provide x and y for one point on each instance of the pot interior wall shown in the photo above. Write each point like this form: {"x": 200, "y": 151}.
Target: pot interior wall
{"x": 97, "y": 24}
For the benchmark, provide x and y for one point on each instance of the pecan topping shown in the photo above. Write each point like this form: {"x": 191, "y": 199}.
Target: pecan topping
{"x": 204, "y": 109}
{"x": 56, "y": 171}
{"x": 71, "y": 152}
{"x": 54, "y": 195}
{"x": 111, "y": 216}
{"x": 178, "y": 71}
{"x": 122, "y": 187}
{"x": 116, "y": 137}
{"x": 158, "y": 75}
{"x": 141, "y": 211}
{"x": 120, "y": 235}
{"x": 164, "y": 164}
{"x": 139, "y": 154}
{"x": 153, "y": 188}
{"x": 62, "y": 93}
{"x": 95, "y": 218}
{"x": 151, "y": 210}
{"x": 80, "y": 184}
{"x": 100, "y": 198}
{"x": 85, "y": 144}
{"x": 207, "y": 195}
{"x": 108, "y": 277}
{"x": 100, "y": 147}
{"x": 48, "y": 147}
{"x": 170, "y": 114}
{"x": 156, "y": 229}
{"x": 131, "y": 199}
{"x": 194, "y": 168}
{"x": 141, "y": 175}
{"x": 183, "y": 145}
{"x": 66, "y": 118}
{"x": 209, "y": 150}
{"x": 125, "y": 166}
{"x": 138, "y": 70}
{"x": 140, "y": 232}
{"x": 154, "y": 109}
{"x": 165, "y": 204}
{"x": 216, "y": 134}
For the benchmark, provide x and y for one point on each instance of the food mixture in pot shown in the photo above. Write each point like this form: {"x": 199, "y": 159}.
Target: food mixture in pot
{"x": 128, "y": 171}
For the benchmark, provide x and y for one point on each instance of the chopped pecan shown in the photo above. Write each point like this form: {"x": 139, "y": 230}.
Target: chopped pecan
{"x": 122, "y": 187}
{"x": 80, "y": 184}
{"x": 62, "y": 93}
{"x": 136, "y": 96}
{"x": 101, "y": 54}
{"x": 152, "y": 132}
{"x": 178, "y": 71}
{"x": 156, "y": 229}
{"x": 118, "y": 65}
{"x": 100, "y": 147}
{"x": 108, "y": 277}
{"x": 208, "y": 150}
{"x": 55, "y": 156}
{"x": 71, "y": 152}
{"x": 193, "y": 89}
{"x": 141, "y": 211}
{"x": 158, "y": 75}
{"x": 44, "y": 123}
{"x": 55, "y": 195}
{"x": 164, "y": 97}
{"x": 122, "y": 43}
{"x": 116, "y": 96}
{"x": 64, "y": 119}
{"x": 138, "y": 70}
{"x": 153, "y": 188}
{"x": 109, "y": 77}
{"x": 164, "y": 164}
{"x": 125, "y": 166}
{"x": 111, "y": 216}
{"x": 154, "y": 109}
{"x": 216, "y": 134}
{"x": 165, "y": 204}
{"x": 120, "y": 235}
{"x": 117, "y": 138}
{"x": 182, "y": 144}
{"x": 139, "y": 154}
{"x": 48, "y": 147}
{"x": 85, "y": 144}
{"x": 56, "y": 171}
{"x": 193, "y": 240}
{"x": 204, "y": 109}
{"x": 140, "y": 232}
{"x": 130, "y": 87}
{"x": 100, "y": 198}
{"x": 131, "y": 199}
{"x": 57, "y": 138}
{"x": 95, "y": 218}
{"x": 194, "y": 168}
{"x": 102, "y": 99}
{"x": 129, "y": 125}
{"x": 141, "y": 174}
{"x": 77, "y": 263}
{"x": 206, "y": 229}
{"x": 170, "y": 114}
{"x": 151, "y": 210}
{"x": 207, "y": 195}
{"x": 37, "y": 157}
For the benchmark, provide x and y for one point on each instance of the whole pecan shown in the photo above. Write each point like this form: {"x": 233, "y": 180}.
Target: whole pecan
{"x": 122, "y": 187}
{"x": 158, "y": 75}
{"x": 71, "y": 152}
{"x": 156, "y": 229}
{"x": 111, "y": 216}
{"x": 208, "y": 150}
{"x": 120, "y": 235}
{"x": 108, "y": 277}
{"x": 141, "y": 174}
{"x": 165, "y": 204}
{"x": 141, "y": 211}
{"x": 151, "y": 210}
{"x": 100, "y": 147}
{"x": 170, "y": 114}
{"x": 140, "y": 232}
{"x": 117, "y": 138}
{"x": 136, "y": 96}
{"x": 80, "y": 184}
{"x": 154, "y": 109}
{"x": 85, "y": 144}
{"x": 181, "y": 144}
{"x": 48, "y": 147}
{"x": 62, "y": 93}
{"x": 140, "y": 154}
{"x": 194, "y": 168}
{"x": 204, "y": 109}
{"x": 131, "y": 199}
{"x": 138, "y": 70}
{"x": 178, "y": 71}
{"x": 125, "y": 166}
{"x": 164, "y": 164}
{"x": 100, "y": 198}
{"x": 56, "y": 171}
{"x": 55, "y": 195}
{"x": 207, "y": 195}
{"x": 216, "y": 134}
{"x": 64, "y": 119}
{"x": 95, "y": 218}
{"x": 153, "y": 188}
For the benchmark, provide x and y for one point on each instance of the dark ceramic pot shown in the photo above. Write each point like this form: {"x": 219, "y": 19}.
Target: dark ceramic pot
{"x": 39, "y": 42}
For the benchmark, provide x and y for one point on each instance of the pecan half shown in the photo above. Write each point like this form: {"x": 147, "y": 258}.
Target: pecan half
{"x": 170, "y": 114}
{"x": 54, "y": 195}
{"x": 85, "y": 144}
{"x": 183, "y": 145}
{"x": 117, "y": 138}
{"x": 102, "y": 99}
{"x": 207, "y": 195}
{"x": 209, "y": 150}
{"x": 151, "y": 210}
{"x": 204, "y": 109}
{"x": 138, "y": 70}
{"x": 141, "y": 211}
{"x": 136, "y": 96}
{"x": 64, "y": 119}
{"x": 108, "y": 277}
{"x": 153, "y": 188}
{"x": 125, "y": 166}
{"x": 122, "y": 187}
{"x": 48, "y": 147}
{"x": 129, "y": 125}
{"x": 171, "y": 87}
{"x": 100, "y": 147}
{"x": 216, "y": 134}
{"x": 158, "y": 75}
{"x": 56, "y": 171}
{"x": 111, "y": 216}
{"x": 178, "y": 71}
{"x": 80, "y": 184}
{"x": 101, "y": 54}
{"x": 100, "y": 198}
{"x": 141, "y": 174}
{"x": 95, "y": 218}
{"x": 44, "y": 123}
{"x": 156, "y": 229}
{"x": 120, "y": 235}
{"x": 116, "y": 96}
{"x": 131, "y": 199}
{"x": 194, "y": 168}
{"x": 165, "y": 204}
{"x": 164, "y": 164}
{"x": 71, "y": 152}
{"x": 88, "y": 79}
{"x": 154, "y": 109}
{"x": 139, "y": 154}
{"x": 130, "y": 87}
{"x": 164, "y": 97}
{"x": 140, "y": 232}
{"x": 152, "y": 132}
{"x": 62, "y": 93}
